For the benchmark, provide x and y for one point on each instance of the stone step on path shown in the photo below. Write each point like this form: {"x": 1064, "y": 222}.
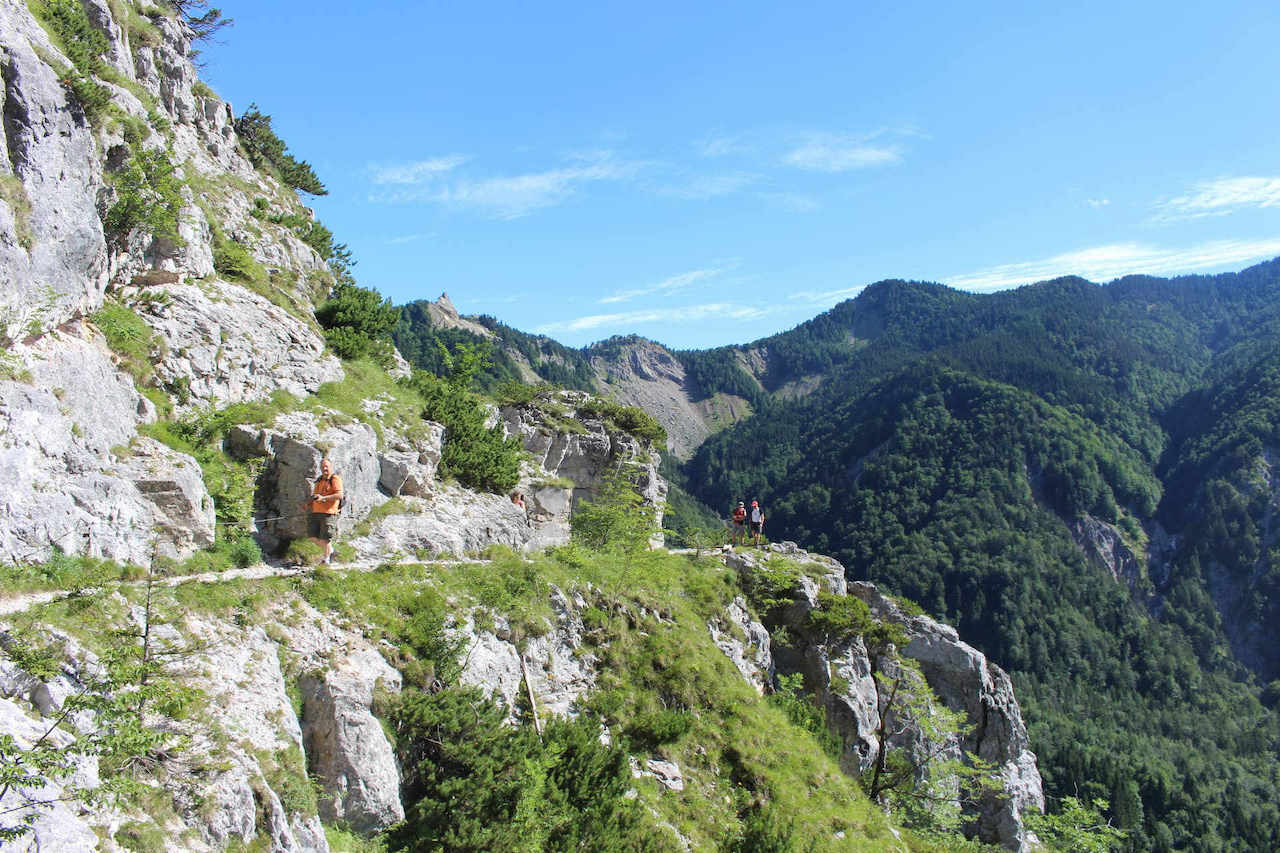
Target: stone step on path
{"x": 18, "y": 603}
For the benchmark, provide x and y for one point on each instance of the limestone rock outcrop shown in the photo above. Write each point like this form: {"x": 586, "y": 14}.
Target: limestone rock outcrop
{"x": 78, "y": 478}
{"x": 570, "y": 466}
{"x": 53, "y": 255}
{"x": 293, "y": 447}
{"x": 225, "y": 344}
{"x": 842, "y": 674}
{"x": 69, "y": 477}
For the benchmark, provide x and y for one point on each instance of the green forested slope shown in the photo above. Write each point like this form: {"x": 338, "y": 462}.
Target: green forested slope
{"x": 954, "y": 439}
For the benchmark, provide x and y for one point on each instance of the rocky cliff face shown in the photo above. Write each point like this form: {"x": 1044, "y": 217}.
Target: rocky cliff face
{"x": 77, "y": 476}
{"x": 843, "y": 674}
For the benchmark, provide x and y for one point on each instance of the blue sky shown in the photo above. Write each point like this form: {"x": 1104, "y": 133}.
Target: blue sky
{"x": 709, "y": 173}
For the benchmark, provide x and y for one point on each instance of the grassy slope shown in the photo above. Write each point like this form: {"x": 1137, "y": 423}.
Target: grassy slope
{"x": 648, "y": 627}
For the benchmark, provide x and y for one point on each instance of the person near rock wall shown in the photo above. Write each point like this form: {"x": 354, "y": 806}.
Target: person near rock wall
{"x": 326, "y": 505}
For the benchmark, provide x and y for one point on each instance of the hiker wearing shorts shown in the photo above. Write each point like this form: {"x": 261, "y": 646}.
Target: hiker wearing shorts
{"x": 738, "y": 533}
{"x": 326, "y": 504}
{"x": 757, "y": 522}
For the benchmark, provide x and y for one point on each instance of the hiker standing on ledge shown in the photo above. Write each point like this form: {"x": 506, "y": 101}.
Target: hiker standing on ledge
{"x": 738, "y": 535}
{"x": 326, "y": 504}
{"x": 757, "y": 521}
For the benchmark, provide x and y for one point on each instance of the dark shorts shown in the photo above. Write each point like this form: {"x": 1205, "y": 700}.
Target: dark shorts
{"x": 756, "y": 526}
{"x": 324, "y": 525}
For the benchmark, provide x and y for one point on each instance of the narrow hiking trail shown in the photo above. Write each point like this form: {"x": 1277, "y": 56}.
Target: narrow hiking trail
{"x": 10, "y": 605}
{"x": 17, "y": 603}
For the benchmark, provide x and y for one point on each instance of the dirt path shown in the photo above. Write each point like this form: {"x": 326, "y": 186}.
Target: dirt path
{"x": 27, "y": 600}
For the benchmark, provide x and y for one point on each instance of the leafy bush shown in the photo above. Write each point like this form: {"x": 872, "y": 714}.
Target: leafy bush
{"x": 630, "y": 419}
{"x": 233, "y": 262}
{"x": 268, "y": 152}
{"x": 617, "y": 520}
{"x": 148, "y": 196}
{"x": 129, "y": 337}
{"x": 654, "y": 728}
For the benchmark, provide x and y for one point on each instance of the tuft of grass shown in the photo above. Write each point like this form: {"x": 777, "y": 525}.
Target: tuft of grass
{"x": 14, "y": 194}
{"x": 129, "y": 337}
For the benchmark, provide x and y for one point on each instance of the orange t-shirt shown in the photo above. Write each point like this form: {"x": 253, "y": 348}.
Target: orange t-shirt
{"x": 330, "y": 486}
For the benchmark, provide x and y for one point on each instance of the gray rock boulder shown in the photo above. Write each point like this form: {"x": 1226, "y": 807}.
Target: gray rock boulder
{"x": 228, "y": 345}
{"x": 69, "y": 477}
{"x": 174, "y": 485}
{"x": 557, "y": 673}
{"x": 294, "y": 446}
{"x": 452, "y": 520}
{"x": 745, "y": 642}
{"x": 409, "y": 467}
{"x": 348, "y": 751}
{"x": 966, "y": 681}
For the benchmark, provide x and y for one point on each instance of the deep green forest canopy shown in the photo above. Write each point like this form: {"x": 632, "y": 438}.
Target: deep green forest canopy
{"x": 954, "y": 442}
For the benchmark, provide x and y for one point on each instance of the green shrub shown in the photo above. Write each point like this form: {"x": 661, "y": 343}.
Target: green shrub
{"x": 630, "y": 419}
{"x": 148, "y": 196}
{"x": 479, "y": 457}
{"x": 618, "y": 519}
{"x": 304, "y": 552}
{"x": 84, "y": 44}
{"x": 128, "y": 336}
{"x": 14, "y": 194}
{"x": 233, "y": 262}
{"x": 358, "y": 322}
{"x": 654, "y": 728}
{"x": 269, "y": 153}
{"x": 472, "y": 783}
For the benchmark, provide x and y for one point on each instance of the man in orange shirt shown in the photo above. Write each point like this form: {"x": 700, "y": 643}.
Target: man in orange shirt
{"x": 326, "y": 504}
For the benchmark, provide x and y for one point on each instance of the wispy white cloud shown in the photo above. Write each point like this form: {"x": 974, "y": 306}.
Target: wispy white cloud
{"x": 822, "y": 297}
{"x": 681, "y": 314}
{"x": 1104, "y": 263}
{"x": 1216, "y": 198}
{"x": 419, "y": 172}
{"x": 667, "y": 285}
{"x": 825, "y": 152}
{"x": 705, "y": 187}
{"x": 1098, "y": 202}
{"x": 403, "y": 239}
{"x": 514, "y": 196}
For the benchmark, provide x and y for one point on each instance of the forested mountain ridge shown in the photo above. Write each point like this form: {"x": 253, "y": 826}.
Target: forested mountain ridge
{"x": 1081, "y": 477}
{"x": 992, "y": 456}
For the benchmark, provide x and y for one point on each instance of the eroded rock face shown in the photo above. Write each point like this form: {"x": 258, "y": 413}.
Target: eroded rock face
{"x": 558, "y": 674}
{"x": 570, "y": 467}
{"x": 746, "y": 643}
{"x": 1104, "y": 545}
{"x": 348, "y": 750}
{"x": 53, "y": 255}
{"x": 842, "y": 674}
{"x": 228, "y": 345}
{"x": 293, "y": 447}
{"x": 174, "y": 485}
{"x": 72, "y": 473}
{"x": 966, "y": 681}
